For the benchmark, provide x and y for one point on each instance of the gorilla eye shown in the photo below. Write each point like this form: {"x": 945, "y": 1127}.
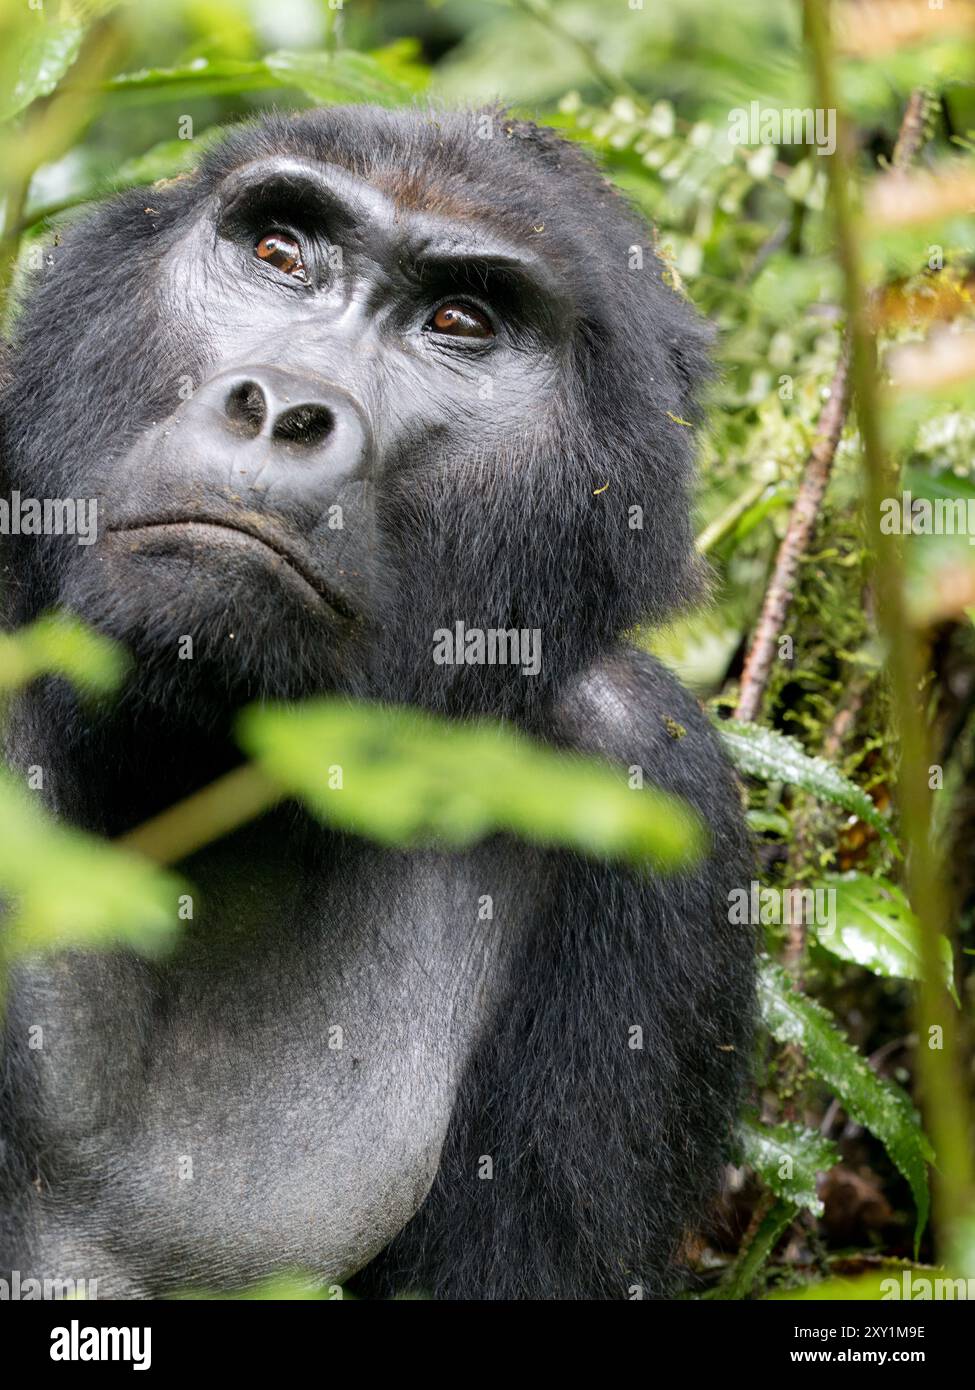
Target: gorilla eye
{"x": 283, "y": 252}
{"x": 460, "y": 321}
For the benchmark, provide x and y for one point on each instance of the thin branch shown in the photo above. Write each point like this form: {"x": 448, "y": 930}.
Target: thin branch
{"x": 716, "y": 531}
{"x": 761, "y": 654}
{"x": 913, "y": 132}
{"x": 805, "y": 511}
{"x": 612, "y": 81}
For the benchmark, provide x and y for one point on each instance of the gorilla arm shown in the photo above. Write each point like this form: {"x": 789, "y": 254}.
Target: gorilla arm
{"x": 606, "y": 1142}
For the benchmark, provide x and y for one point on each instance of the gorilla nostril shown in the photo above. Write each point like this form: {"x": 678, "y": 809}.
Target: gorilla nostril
{"x": 304, "y": 425}
{"x": 246, "y": 409}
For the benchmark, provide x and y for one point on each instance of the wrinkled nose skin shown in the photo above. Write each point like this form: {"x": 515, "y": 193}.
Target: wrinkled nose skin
{"x": 296, "y": 440}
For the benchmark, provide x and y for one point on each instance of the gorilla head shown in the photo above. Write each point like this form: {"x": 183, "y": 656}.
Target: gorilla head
{"x": 360, "y": 377}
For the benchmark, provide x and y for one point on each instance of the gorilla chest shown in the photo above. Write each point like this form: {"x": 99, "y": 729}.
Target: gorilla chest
{"x": 278, "y": 1093}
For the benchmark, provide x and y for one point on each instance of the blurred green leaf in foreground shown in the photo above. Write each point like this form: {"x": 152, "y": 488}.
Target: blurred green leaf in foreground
{"x": 403, "y": 777}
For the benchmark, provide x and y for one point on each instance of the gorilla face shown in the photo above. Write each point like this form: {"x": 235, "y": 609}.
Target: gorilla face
{"x": 349, "y": 353}
{"x": 358, "y": 379}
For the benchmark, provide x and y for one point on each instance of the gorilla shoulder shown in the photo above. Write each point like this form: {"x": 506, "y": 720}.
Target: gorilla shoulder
{"x": 630, "y": 709}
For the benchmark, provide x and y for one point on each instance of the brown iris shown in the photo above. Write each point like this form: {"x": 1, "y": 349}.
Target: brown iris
{"x": 461, "y": 321}
{"x": 281, "y": 251}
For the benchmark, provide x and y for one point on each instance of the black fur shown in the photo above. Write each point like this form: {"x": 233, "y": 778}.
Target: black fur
{"x": 514, "y": 514}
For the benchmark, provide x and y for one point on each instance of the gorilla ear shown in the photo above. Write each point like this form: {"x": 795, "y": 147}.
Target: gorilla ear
{"x": 691, "y": 357}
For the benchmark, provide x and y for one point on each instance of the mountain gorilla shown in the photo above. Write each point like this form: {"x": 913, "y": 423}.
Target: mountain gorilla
{"x": 362, "y": 377}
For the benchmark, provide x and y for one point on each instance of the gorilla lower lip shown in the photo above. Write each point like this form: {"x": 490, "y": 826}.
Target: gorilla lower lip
{"x": 202, "y": 525}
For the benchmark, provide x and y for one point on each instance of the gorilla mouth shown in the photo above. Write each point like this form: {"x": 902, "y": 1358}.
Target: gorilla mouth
{"x": 252, "y": 537}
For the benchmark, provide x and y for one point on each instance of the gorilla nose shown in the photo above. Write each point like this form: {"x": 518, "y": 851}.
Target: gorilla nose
{"x": 252, "y": 410}
{"x": 286, "y": 419}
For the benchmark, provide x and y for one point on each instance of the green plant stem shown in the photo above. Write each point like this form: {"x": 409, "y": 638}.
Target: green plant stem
{"x": 943, "y": 1093}
{"x": 612, "y": 81}
{"x": 776, "y": 1217}
{"x": 716, "y": 531}
{"x": 16, "y": 200}
{"x": 223, "y": 806}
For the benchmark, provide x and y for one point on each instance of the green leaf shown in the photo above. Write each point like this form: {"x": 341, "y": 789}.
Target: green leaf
{"x": 871, "y": 1100}
{"x": 408, "y": 778}
{"x": 162, "y": 161}
{"x": 59, "y": 644}
{"x": 787, "y": 1157}
{"x": 388, "y": 77}
{"x": 940, "y": 487}
{"x": 196, "y": 79}
{"x": 872, "y": 1287}
{"x": 47, "y": 48}
{"x": 68, "y": 889}
{"x": 289, "y": 1288}
{"x": 166, "y": 160}
{"x": 773, "y": 757}
{"x": 768, "y": 823}
{"x": 875, "y": 927}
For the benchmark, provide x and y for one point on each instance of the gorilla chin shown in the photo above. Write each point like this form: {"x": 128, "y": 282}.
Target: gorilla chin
{"x": 189, "y": 599}
{"x": 248, "y": 554}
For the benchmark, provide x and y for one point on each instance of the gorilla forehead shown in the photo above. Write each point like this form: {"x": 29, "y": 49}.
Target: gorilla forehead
{"x": 468, "y": 166}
